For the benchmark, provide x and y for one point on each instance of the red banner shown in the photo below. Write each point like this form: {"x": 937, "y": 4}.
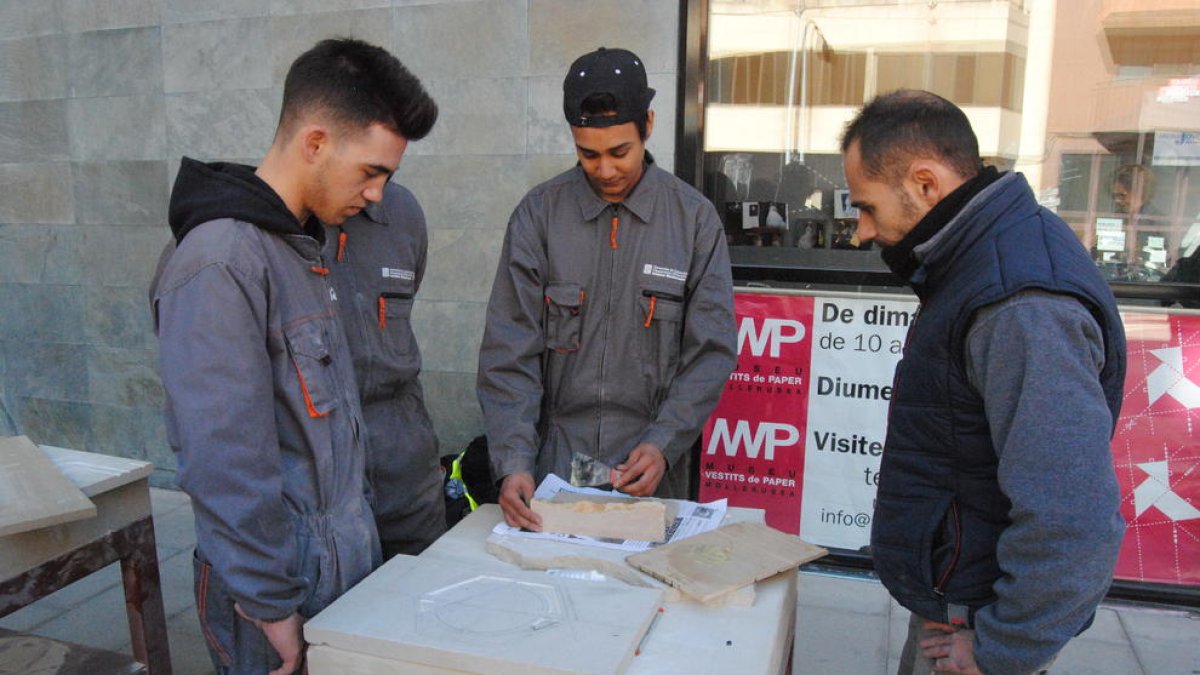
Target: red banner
{"x": 1156, "y": 450}
{"x": 754, "y": 440}
{"x": 800, "y": 427}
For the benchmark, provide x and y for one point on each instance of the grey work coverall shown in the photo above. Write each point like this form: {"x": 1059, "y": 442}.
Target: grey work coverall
{"x": 263, "y": 413}
{"x": 377, "y": 260}
{"x": 608, "y": 325}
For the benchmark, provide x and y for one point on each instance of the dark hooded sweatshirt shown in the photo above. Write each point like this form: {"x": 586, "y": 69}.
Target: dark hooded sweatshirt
{"x": 262, "y": 409}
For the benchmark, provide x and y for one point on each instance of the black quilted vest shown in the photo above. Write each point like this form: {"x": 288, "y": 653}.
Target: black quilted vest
{"x": 939, "y": 508}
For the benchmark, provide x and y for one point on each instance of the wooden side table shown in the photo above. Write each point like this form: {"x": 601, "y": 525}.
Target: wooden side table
{"x": 34, "y": 564}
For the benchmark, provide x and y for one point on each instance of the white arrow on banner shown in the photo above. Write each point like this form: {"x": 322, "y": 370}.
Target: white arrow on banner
{"x": 1155, "y": 491}
{"x": 1169, "y": 379}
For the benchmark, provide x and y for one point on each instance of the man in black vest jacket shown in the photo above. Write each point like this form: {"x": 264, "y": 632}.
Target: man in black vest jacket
{"x": 997, "y": 521}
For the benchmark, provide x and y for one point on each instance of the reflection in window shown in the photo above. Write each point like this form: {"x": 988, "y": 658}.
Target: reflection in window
{"x": 1096, "y": 103}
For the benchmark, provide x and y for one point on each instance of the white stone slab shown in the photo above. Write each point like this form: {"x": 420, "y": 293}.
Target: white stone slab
{"x": 94, "y": 473}
{"x": 458, "y": 616}
{"x": 713, "y": 563}
{"x": 604, "y": 517}
{"x": 33, "y": 491}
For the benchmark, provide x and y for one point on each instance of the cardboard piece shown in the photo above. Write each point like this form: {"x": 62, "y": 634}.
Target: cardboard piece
{"x": 604, "y": 517}
{"x": 458, "y": 616}
{"x": 713, "y": 563}
{"x": 34, "y": 493}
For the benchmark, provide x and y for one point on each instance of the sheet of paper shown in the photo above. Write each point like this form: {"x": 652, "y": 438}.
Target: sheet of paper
{"x": 691, "y": 519}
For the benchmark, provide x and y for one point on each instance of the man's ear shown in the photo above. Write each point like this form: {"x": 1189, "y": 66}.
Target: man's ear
{"x": 932, "y": 180}
{"x": 314, "y": 143}
{"x": 649, "y": 124}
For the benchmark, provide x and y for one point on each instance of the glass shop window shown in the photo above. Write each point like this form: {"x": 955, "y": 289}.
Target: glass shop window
{"x": 1096, "y": 102}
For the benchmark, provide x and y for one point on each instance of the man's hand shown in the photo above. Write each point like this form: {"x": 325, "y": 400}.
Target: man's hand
{"x": 953, "y": 652}
{"x": 516, "y": 490}
{"x": 642, "y": 471}
{"x": 286, "y": 637}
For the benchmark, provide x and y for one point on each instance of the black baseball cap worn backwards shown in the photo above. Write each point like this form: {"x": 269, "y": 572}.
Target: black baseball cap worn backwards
{"x": 617, "y": 72}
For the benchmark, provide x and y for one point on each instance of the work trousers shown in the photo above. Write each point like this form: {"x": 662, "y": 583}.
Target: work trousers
{"x": 235, "y": 645}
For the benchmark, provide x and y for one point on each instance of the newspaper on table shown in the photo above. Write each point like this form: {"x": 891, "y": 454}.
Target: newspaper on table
{"x": 691, "y": 518}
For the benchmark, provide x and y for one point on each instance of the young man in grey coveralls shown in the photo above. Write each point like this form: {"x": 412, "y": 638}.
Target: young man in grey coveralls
{"x": 610, "y": 330}
{"x": 997, "y": 520}
{"x": 262, "y": 409}
{"x": 376, "y": 261}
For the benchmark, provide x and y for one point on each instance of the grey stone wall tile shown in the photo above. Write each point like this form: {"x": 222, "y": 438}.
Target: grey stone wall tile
{"x": 477, "y": 117}
{"x": 121, "y": 192}
{"x": 180, "y": 11}
{"x": 22, "y": 253}
{"x": 283, "y": 7}
{"x": 454, "y": 407}
{"x": 122, "y": 62}
{"x": 42, "y": 313}
{"x": 221, "y": 124}
{"x": 562, "y": 30}
{"x": 8, "y": 420}
{"x": 542, "y": 168}
{"x": 293, "y": 35}
{"x": 31, "y": 253}
{"x": 34, "y": 131}
{"x": 85, "y": 15}
{"x": 455, "y": 40}
{"x": 231, "y": 54}
{"x": 466, "y": 191}
{"x": 449, "y": 333}
{"x": 117, "y": 127}
{"x": 22, "y": 18}
{"x": 414, "y": 3}
{"x": 104, "y": 255}
{"x": 53, "y": 370}
{"x": 36, "y": 193}
{"x": 33, "y": 68}
{"x": 122, "y": 255}
{"x": 123, "y": 377}
{"x": 462, "y": 264}
{"x": 117, "y": 317}
{"x": 546, "y": 127}
{"x": 135, "y": 433}
{"x": 66, "y": 424}
{"x": 64, "y": 259}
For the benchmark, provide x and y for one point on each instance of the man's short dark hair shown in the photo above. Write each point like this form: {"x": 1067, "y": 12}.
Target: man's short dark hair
{"x": 600, "y": 104}
{"x": 357, "y": 84}
{"x": 903, "y": 125}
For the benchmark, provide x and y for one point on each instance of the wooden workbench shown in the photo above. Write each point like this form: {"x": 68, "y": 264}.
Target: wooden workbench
{"x": 39, "y": 562}
{"x": 688, "y": 638}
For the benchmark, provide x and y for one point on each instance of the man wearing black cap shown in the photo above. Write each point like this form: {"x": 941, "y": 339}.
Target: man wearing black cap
{"x": 610, "y": 329}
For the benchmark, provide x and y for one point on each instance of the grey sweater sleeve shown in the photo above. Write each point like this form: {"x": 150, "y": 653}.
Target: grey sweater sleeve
{"x": 1035, "y": 359}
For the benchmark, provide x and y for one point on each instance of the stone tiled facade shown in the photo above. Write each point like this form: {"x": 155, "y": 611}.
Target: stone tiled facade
{"x": 100, "y": 98}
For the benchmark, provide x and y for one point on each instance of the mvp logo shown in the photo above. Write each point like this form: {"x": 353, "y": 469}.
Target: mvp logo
{"x": 767, "y": 437}
{"x": 774, "y": 332}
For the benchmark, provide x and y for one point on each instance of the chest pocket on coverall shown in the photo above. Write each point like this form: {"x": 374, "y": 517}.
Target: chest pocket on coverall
{"x": 395, "y": 315}
{"x": 662, "y": 312}
{"x": 310, "y": 356}
{"x": 564, "y": 316}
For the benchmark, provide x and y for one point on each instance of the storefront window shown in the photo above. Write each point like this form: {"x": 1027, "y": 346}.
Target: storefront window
{"x": 1097, "y": 102}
